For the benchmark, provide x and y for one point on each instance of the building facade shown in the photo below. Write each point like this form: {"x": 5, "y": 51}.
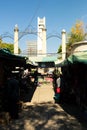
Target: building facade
{"x": 32, "y": 48}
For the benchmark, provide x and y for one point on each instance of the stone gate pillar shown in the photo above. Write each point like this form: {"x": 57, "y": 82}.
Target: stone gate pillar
{"x": 63, "y": 44}
{"x": 16, "y": 30}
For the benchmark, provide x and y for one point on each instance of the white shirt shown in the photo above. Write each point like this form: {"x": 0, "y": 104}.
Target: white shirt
{"x": 58, "y": 81}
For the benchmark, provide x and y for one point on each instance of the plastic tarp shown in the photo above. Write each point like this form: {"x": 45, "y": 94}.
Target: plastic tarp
{"x": 49, "y": 59}
{"x": 80, "y": 57}
{"x": 7, "y": 56}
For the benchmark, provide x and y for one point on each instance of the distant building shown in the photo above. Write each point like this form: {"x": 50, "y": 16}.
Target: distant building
{"x": 32, "y": 48}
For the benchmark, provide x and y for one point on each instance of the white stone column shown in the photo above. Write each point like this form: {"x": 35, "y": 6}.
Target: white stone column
{"x": 63, "y": 44}
{"x": 44, "y": 42}
{"x": 41, "y": 39}
{"x": 16, "y": 30}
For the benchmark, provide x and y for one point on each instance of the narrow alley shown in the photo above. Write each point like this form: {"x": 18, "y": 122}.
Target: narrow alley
{"x": 42, "y": 113}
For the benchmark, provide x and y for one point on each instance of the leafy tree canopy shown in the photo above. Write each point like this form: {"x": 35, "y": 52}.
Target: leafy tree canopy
{"x": 76, "y": 34}
{"x": 8, "y": 46}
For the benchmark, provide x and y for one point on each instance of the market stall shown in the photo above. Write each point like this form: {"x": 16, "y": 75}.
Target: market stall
{"x": 74, "y": 79}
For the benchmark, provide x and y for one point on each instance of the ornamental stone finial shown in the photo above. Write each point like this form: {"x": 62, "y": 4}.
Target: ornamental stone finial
{"x": 63, "y": 31}
{"x": 16, "y": 28}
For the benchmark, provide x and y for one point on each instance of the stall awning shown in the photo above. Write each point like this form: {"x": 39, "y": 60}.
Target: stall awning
{"x": 80, "y": 57}
{"x": 49, "y": 59}
{"x": 10, "y": 58}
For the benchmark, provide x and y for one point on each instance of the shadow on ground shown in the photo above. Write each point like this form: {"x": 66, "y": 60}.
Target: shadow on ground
{"x": 75, "y": 111}
{"x": 26, "y": 96}
{"x": 45, "y": 116}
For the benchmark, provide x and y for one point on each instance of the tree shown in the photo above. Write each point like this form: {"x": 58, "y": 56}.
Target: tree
{"x": 60, "y": 49}
{"x": 76, "y": 34}
{"x": 8, "y": 46}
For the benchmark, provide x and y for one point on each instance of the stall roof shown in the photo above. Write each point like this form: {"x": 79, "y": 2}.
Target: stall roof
{"x": 80, "y": 57}
{"x": 11, "y": 58}
{"x": 29, "y": 64}
{"x": 49, "y": 59}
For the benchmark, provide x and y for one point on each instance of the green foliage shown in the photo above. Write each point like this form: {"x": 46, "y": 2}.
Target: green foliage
{"x": 19, "y": 50}
{"x": 60, "y": 49}
{"x": 77, "y": 34}
{"x": 8, "y": 46}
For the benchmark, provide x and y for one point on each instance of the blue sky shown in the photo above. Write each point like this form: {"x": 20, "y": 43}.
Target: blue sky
{"x": 59, "y": 14}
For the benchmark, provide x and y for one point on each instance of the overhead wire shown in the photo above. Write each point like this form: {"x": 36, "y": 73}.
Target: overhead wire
{"x": 30, "y": 24}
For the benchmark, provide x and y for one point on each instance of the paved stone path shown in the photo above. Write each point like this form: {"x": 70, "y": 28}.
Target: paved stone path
{"x": 43, "y": 114}
{"x": 44, "y": 93}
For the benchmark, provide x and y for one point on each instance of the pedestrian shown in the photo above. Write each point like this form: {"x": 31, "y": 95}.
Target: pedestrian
{"x": 54, "y": 79}
{"x": 58, "y": 89}
{"x": 36, "y": 77}
{"x": 13, "y": 94}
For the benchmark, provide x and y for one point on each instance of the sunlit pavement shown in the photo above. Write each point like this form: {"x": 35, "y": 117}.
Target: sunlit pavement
{"x": 43, "y": 93}
{"x": 43, "y": 114}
